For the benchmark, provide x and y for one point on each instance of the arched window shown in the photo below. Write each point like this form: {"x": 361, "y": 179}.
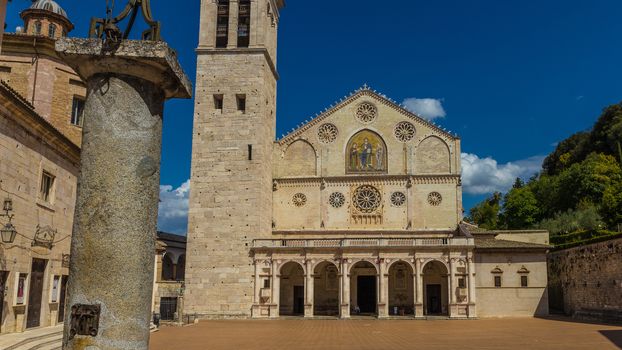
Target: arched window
{"x": 366, "y": 153}
{"x": 52, "y": 31}
{"x": 244, "y": 23}
{"x": 181, "y": 268}
{"x": 222, "y": 24}
{"x": 168, "y": 273}
{"x": 37, "y": 28}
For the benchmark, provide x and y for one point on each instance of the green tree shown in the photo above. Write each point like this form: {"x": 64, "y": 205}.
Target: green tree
{"x": 520, "y": 209}
{"x": 486, "y": 213}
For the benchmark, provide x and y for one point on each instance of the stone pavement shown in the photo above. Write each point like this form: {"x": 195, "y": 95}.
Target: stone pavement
{"x": 47, "y": 338}
{"x": 507, "y": 334}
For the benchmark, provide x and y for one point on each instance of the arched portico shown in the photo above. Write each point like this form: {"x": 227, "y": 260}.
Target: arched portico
{"x": 326, "y": 289}
{"x": 292, "y": 289}
{"x": 435, "y": 288}
{"x": 364, "y": 288}
{"x": 401, "y": 289}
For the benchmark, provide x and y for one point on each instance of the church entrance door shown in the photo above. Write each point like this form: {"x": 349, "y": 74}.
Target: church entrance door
{"x": 299, "y": 300}
{"x": 366, "y": 294}
{"x": 434, "y": 299}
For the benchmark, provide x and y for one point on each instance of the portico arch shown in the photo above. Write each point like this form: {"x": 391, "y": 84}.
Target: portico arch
{"x": 435, "y": 288}
{"x": 326, "y": 289}
{"x": 364, "y": 288}
{"x": 401, "y": 289}
{"x": 292, "y": 289}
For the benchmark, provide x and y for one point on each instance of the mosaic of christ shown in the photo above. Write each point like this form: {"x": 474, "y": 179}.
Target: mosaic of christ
{"x": 366, "y": 152}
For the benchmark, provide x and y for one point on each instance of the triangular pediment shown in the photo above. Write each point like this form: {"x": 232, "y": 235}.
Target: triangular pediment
{"x": 363, "y": 93}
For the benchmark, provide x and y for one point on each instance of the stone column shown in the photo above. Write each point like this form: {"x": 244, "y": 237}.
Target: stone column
{"x": 419, "y": 288}
{"x": 471, "y": 282}
{"x": 309, "y": 289}
{"x": 255, "y": 311}
{"x": 234, "y": 10}
{"x": 276, "y": 290}
{"x": 345, "y": 289}
{"x": 452, "y": 289}
{"x": 118, "y": 187}
{"x": 383, "y": 289}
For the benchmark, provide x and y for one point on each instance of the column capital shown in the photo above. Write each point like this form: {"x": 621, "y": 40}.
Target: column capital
{"x": 153, "y": 61}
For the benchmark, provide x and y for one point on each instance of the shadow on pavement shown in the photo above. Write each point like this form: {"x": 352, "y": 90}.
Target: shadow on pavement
{"x": 614, "y": 336}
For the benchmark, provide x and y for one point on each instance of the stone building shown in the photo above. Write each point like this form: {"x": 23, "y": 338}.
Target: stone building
{"x": 170, "y": 262}
{"x": 358, "y": 211}
{"x": 40, "y": 118}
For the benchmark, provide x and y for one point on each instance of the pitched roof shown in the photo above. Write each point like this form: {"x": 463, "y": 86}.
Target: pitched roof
{"x": 492, "y": 243}
{"x": 365, "y": 90}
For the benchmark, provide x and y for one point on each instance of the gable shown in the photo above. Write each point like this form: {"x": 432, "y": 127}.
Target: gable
{"x": 394, "y": 137}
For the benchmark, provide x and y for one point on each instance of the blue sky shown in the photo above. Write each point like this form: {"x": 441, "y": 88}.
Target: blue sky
{"x": 512, "y": 78}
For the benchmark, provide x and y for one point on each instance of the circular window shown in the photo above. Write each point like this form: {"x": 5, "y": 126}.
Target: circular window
{"x": 327, "y": 133}
{"x": 404, "y": 131}
{"x": 435, "y": 199}
{"x": 398, "y": 199}
{"x": 366, "y": 112}
{"x": 299, "y": 199}
{"x": 366, "y": 199}
{"x": 337, "y": 200}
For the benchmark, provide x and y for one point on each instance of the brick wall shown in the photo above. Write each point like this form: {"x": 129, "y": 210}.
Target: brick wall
{"x": 586, "y": 282}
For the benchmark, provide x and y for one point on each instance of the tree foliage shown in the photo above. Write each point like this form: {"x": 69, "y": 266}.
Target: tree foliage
{"x": 580, "y": 187}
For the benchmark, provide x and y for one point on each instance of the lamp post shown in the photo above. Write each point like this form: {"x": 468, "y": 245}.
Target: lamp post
{"x": 8, "y": 231}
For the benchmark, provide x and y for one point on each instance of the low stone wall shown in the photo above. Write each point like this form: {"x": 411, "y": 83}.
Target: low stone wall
{"x": 586, "y": 282}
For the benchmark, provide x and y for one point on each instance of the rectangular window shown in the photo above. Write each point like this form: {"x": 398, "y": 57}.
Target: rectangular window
{"x": 498, "y": 281}
{"x": 77, "y": 110}
{"x": 222, "y": 24}
{"x": 241, "y": 101}
{"x": 461, "y": 283}
{"x": 47, "y": 184}
{"x": 21, "y": 288}
{"x": 524, "y": 281}
{"x": 218, "y": 102}
{"x": 250, "y": 152}
{"x": 244, "y": 23}
{"x": 266, "y": 283}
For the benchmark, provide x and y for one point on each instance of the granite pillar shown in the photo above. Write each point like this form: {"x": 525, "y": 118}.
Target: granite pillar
{"x": 114, "y": 229}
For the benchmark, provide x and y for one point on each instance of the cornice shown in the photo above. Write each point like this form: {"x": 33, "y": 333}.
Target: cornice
{"x": 23, "y": 112}
{"x": 370, "y": 179}
{"x": 203, "y": 50}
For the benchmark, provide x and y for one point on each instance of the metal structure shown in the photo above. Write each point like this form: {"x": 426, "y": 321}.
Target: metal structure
{"x": 8, "y": 231}
{"x": 108, "y": 29}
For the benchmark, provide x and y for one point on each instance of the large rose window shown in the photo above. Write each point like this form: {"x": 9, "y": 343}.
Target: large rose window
{"x": 366, "y": 199}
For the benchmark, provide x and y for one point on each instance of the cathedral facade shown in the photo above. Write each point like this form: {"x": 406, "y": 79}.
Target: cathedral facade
{"x": 357, "y": 212}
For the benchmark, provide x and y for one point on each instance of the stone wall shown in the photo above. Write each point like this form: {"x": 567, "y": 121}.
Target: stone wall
{"x": 25, "y": 152}
{"x": 586, "y": 282}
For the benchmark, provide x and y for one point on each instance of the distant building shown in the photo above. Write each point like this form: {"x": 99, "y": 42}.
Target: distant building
{"x": 170, "y": 270}
{"x": 357, "y": 211}
{"x": 41, "y": 101}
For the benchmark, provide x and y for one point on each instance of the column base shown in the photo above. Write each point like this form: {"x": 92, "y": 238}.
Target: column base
{"x": 472, "y": 310}
{"x": 308, "y": 310}
{"x": 383, "y": 311}
{"x": 274, "y": 311}
{"x": 260, "y": 311}
{"x": 345, "y": 311}
{"x": 419, "y": 310}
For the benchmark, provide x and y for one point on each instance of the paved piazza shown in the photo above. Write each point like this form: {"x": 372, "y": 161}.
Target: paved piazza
{"x": 374, "y": 334}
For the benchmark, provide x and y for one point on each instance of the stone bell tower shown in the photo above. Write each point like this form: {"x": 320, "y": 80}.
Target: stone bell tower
{"x": 234, "y": 131}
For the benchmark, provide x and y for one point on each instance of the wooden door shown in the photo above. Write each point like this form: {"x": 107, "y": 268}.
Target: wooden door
{"x": 35, "y": 293}
{"x": 3, "y": 278}
{"x": 61, "y": 303}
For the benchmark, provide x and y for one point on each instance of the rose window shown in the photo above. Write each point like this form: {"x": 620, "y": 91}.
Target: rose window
{"x": 404, "y": 131}
{"x": 327, "y": 133}
{"x": 299, "y": 199}
{"x": 435, "y": 199}
{"x": 366, "y": 112}
{"x": 398, "y": 199}
{"x": 337, "y": 200}
{"x": 366, "y": 199}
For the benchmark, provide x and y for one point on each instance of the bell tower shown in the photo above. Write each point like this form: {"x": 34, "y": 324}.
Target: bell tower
{"x": 234, "y": 130}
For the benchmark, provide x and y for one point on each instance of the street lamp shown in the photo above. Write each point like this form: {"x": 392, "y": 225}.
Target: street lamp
{"x": 8, "y": 232}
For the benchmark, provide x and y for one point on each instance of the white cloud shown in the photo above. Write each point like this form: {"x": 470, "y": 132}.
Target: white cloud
{"x": 427, "y": 108}
{"x": 173, "y": 209}
{"x": 485, "y": 175}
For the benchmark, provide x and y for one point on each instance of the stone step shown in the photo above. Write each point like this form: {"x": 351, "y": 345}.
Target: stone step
{"x": 52, "y": 344}
{"x": 38, "y": 342}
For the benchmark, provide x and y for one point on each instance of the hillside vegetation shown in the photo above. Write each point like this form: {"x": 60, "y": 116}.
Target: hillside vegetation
{"x": 579, "y": 190}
